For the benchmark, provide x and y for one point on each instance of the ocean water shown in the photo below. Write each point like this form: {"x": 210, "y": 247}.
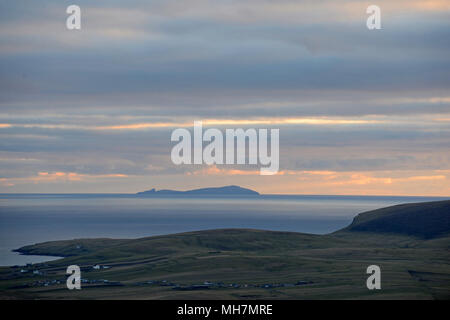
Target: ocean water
{"x": 29, "y": 219}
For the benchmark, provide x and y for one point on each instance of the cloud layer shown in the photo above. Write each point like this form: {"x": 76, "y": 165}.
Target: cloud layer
{"x": 94, "y": 108}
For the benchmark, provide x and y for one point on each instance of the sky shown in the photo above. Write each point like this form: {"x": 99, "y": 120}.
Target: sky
{"x": 360, "y": 112}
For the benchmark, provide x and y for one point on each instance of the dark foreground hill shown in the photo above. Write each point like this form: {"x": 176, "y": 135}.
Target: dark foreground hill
{"x": 426, "y": 220}
{"x": 252, "y": 264}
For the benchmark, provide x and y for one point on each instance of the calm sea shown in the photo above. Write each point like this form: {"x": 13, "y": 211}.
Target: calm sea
{"x": 29, "y": 219}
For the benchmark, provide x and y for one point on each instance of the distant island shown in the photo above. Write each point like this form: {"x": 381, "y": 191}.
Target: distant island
{"x": 228, "y": 191}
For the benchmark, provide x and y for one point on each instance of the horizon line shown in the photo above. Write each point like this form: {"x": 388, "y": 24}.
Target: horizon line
{"x": 227, "y": 195}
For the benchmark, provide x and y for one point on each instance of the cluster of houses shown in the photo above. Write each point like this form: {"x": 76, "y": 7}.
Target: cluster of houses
{"x": 102, "y": 282}
{"x": 211, "y": 285}
{"x": 98, "y": 267}
{"x": 46, "y": 283}
{"x": 163, "y": 283}
{"x": 29, "y": 269}
{"x": 54, "y": 282}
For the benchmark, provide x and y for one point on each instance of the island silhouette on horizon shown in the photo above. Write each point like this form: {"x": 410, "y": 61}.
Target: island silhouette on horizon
{"x": 231, "y": 190}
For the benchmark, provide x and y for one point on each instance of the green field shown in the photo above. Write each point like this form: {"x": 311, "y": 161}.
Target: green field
{"x": 414, "y": 258}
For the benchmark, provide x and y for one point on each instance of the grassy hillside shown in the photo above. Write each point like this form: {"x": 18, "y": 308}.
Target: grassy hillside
{"x": 248, "y": 264}
{"x": 426, "y": 220}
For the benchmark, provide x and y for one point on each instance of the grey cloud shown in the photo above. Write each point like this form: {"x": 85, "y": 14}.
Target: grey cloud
{"x": 144, "y": 61}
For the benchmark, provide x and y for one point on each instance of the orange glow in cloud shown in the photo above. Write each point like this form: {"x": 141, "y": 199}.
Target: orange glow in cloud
{"x": 426, "y": 183}
{"x": 418, "y": 183}
{"x": 214, "y": 170}
{"x": 71, "y": 176}
{"x": 433, "y": 5}
{"x": 205, "y": 122}
{"x": 139, "y": 126}
{"x": 287, "y": 121}
{"x": 238, "y": 122}
{"x": 47, "y": 177}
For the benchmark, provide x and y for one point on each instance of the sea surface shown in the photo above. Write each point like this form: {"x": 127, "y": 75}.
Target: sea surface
{"x": 31, "y": 218}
